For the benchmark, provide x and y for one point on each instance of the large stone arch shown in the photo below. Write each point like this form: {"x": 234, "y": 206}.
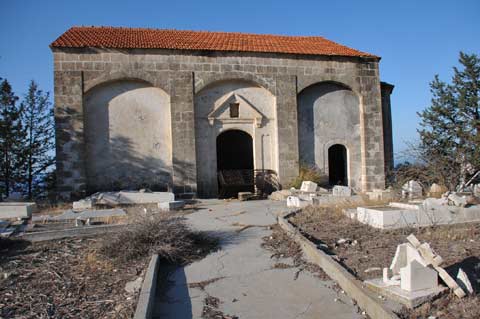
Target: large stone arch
{"x": 329, "y": 113}
{"x": 128, "y": 142}
{"x": 346, "y": 82}
{"x": 256, "y": 117}
{"x": 206, "y": 80}
{"x": 156, "y": 79}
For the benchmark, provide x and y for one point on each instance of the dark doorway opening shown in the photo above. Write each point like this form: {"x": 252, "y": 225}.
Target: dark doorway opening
{"x": 337, "y": 165}
{"x": 234, "y": 163}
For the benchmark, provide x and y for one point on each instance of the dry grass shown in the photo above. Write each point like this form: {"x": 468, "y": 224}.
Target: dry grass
{"x": 161, "y": 234}
{"x": 64, "y": 279}
{"x": 366, "y": 247}
{"x": 52, "y": 209}
{"x": 308, "y": 173}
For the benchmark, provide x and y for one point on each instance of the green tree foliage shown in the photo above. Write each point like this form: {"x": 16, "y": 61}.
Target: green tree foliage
{"x": 11, "y": 137}
{"x": 37, "y": 118}
{"x": 450, "y": 126}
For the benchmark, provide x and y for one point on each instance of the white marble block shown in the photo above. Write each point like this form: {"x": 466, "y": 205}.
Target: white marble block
{"x": 416, "y": 277}
{"x": 17, "y": 210}
{"x": 86, "y": 203}
{"x": 308, "y": 186}
{"x": 173, "y": 205}
{"x": 295, "y": 201}
{"x": 342, "y": 191}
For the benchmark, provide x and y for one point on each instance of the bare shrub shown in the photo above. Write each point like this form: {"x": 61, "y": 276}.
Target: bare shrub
{"x": 309, "y": 173}
{"x": 161, "y": 234}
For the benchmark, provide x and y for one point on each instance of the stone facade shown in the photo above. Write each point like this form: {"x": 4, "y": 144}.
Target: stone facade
{"x": 189, "y": 86}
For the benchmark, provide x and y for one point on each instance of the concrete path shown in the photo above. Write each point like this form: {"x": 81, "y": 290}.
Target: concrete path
{"x": 241, "y": 273}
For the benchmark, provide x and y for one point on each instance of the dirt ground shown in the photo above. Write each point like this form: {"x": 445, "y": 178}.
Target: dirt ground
{"x": 86, "y": 277}
{"x": 282, "y": 246}
{"x": 64, "y": 279}
{"x": 364, "y": 251}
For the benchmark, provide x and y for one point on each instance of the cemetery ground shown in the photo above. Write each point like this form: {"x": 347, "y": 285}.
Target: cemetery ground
{"x": 364, "y": 251}
{"x": 100, "y": 276}
{"x": 93, "y": 277}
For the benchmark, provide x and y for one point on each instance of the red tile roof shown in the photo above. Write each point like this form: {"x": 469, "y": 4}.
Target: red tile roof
{"x": 139, "y": 38}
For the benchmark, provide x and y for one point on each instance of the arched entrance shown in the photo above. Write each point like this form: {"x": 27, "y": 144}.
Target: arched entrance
{"x": 337, "y": 165}
{"x": 234, "y": 163}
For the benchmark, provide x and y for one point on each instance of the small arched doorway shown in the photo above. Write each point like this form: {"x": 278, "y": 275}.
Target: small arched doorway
{"x": 234, "y": 163}
{"x": 337, "y": 165}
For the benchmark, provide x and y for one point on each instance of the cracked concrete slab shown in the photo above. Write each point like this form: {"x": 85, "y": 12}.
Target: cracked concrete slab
{"x": 242, "y": 274}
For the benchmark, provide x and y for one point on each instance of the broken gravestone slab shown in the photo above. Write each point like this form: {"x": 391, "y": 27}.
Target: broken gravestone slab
{"x": 431, "y": 257}
{"x": 297, "y": 202}
{"x": 464, "y": 282}
{"x": 309, "y": 187}
{"x": 410, "y": 299}
{"x": 342, "y": 191}
{"x": 404, "y": 255}
{"x": 101, "y": 213}
{"x": 17, "y": 210}
{"x": 86, "y": 203}
{"x": 280, "y": 195}
{"x": 416, "y": 276}
{"x": 412, "y": 189}
{"x": 380, "y": 195}
{"x": 457, "y": 200}
{"x": 416, "y": 282}
{"x": 124, "y": 197}
{"x": 173, "y": 205}
{"x": 83, "y": 215}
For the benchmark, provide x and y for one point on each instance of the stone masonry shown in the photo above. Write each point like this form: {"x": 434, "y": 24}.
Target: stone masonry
{"x": 182, "y": 74}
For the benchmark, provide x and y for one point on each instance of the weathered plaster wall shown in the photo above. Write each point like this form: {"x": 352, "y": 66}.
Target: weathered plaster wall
{"x": 181, "y": 74}
{"x": 127, "y": 136}
{"x": 329, "y": 114}
{"x": 255, "y": 102}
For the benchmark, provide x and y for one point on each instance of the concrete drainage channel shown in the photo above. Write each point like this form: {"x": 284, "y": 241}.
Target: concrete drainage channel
{"x": 146, "y": 298}
{"x": 353, "y": 287}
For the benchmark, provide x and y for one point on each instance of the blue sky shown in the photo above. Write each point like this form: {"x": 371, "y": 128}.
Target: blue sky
{"x": 416, "y": 39}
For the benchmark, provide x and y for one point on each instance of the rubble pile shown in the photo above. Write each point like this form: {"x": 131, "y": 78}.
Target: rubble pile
{"x": 123, "y": 198}
{"x": 311, "y": 194}
{"x": 412, "y": 277}
{"x": 412, "y": 190}
{"x": 448, "y": 208}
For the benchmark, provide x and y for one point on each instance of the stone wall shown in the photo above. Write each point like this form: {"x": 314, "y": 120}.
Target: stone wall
{"x": 181, "y": 74}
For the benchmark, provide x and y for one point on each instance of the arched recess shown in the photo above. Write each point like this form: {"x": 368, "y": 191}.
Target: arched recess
{"x": 329, "y": 112}
{"x": 256, "y": 115}
{"x": 128, "y": 142}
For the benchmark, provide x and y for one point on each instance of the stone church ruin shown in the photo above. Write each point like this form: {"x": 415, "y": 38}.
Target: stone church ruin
{"x": 192, "y": 111}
